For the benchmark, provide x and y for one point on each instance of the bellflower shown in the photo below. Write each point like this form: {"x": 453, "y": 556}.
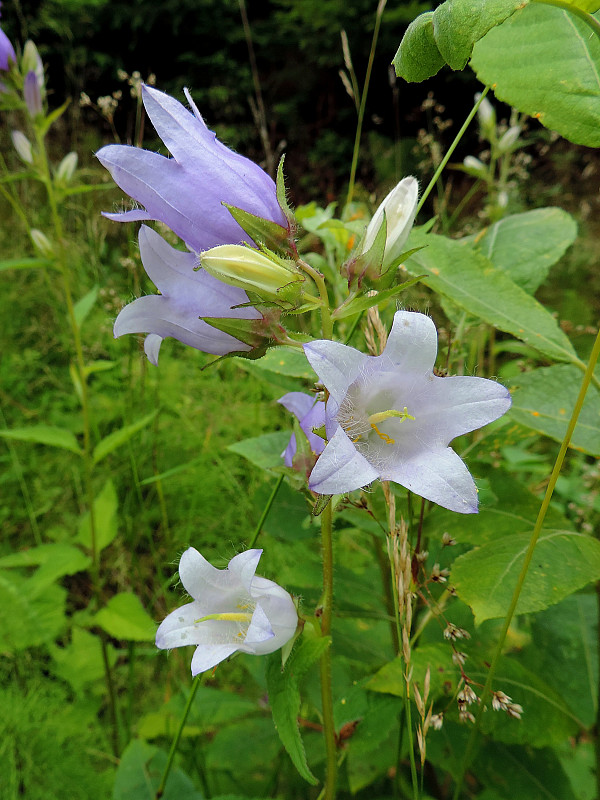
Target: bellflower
{"x": 7, "y": 51}
{"x": 185, "y": 295}
{"x": 400, "y": 208}
{"x": 311, "y": 414}
{"x": 32, "y": 94}
{"x": 390, "y": 417}
{"x": 187, "y": 192}
{"x": 232, "y": 609}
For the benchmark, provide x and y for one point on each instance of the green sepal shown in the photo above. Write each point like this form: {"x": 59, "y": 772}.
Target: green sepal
{"x": 266, "y": 234}
{"x": 364, "y": 302}
{"x": 386, "y": 280}
{"x": 321, "y": 503}
{"x": 245, "y": 330}
{"x": 369, "y": 263}
{"x": 282, "y": 194}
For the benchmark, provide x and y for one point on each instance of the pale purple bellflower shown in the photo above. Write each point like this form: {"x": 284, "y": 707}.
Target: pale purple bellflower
{"x": 187, "y": 192}
{"x": 232, "y": 610}
{"x": 32, "y": 94}
{"x": 7, "y": 51}
{"x": 310, "y": 413}
{"x": 185, "y": 295}
{"x": 389, "y": 417}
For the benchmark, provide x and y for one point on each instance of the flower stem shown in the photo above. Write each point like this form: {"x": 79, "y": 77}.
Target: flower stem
{"x": 175, "y": 743}
{"x": 363, "y": 101}
{"x": 319, "y": 279}
{"x": 450, "y": 150}
{"x": 265, "y": 513}
{"x": 329, "y": 789}
{"x": 527, "y": 560}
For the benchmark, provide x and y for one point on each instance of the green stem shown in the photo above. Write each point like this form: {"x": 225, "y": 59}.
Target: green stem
{"x": 363, "y": 101}
{"x": 579, "y": 12}
{"x": 265, "y": 513}
{"x": 175, "y": 743}
{"x": 319, "y": 279}
{"x": 325, "y": 664}
{"x": 527, "y": 560}
{"x": 451, "y": 149}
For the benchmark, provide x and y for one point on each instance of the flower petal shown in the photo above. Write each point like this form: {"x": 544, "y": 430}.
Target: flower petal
{"x": 243, "y": 566}
{"x": 341, "y": 468}
{"x": 259, "y": 632}
{"x": 437, "y": 475}
{"x": 336, "y": 365}
{"x": 280, "y": 610}
{"x": 208, "y": 656}
{"x": 152, "y": 344}
{"x": 197, "y": 574}
{"x": 133, "y": 215}
{"x": 412, "y": 343}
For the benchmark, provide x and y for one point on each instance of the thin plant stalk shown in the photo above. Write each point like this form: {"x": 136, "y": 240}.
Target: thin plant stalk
{"x": 451, "y": 149}
{"x": 265, "y": 512}
{"x": 175, "y": 743}
{"x": 363, "y": 101}
{"x": 587, "y": 379}
{"x": 329, "y": 790}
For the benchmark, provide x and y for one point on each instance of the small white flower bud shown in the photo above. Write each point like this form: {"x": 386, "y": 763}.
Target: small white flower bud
{"x": 509, "y": 138}
{"x": 66, "y": 168}
{"x": 41, "y": 243}
{"x": 23, "y": 146}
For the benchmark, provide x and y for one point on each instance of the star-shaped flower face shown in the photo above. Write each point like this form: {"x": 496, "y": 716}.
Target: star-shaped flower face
{"x": 185, "y": 296}
{"x": 232, "y": 609}
{"x": 390, "y": 417}
{"x": 187, "y": 192}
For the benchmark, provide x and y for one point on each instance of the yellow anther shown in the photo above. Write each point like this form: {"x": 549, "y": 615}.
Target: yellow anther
{"x": 383, "y": 436}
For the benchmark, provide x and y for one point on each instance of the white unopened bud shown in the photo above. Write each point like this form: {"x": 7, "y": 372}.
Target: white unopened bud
{"x": 23, "y": 146}
{"x": 66, "y": 168}
{"x": 32, "y": 61}
{"x": 474, "y": 166}
{"x": 400, "y": 207}
{"x": 41, "y": 243}
{"x": 486, "y": 113}
{"x": 509, "y": 138}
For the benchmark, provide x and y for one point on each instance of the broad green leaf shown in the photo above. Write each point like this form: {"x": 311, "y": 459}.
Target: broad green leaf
{"x": 527, "y": 245}
{"x": 547, "y": 719}
{"x": 507, "y": 508}
{"x": 140, "y": 771}
{"x": 543, "y": 400}
{"x": 53, "y": 562}
{"x": 471, "y": 280}
{"x": 27, "y": 618}
{"x": 81, "y": 662}
{"x": 246, "y": 748}
{"x": 284, "y": 697}
{"x": 105, "y": 519}
{"x": 44, "y": 434}
{"x": 458, "y": 24}
{"x": 25, "y": 263}
{"x": 286, "y": 361}
{"x": 264, "y": 451}
{"x": 545, "y": 61}
{"x": 418, "y": 56}
{"x": 563, "y": 562}
{"x": 124, "y": 617}
{"x": 83, "y": 307}
{"x": 118, "y": 438}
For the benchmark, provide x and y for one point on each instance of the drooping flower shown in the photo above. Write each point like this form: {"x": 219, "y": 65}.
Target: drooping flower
{"x": 185, "y": 295}
{"x": 390, "y": 417}
{"x": 310, "y": 412}
{"x": 187, "y": 192}
{"x": 232, "y": 609}
{"x": 400, "y": 207}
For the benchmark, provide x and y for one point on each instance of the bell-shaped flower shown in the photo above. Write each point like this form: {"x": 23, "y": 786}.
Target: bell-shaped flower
{"x": 185, "y": 295}
{"x": 390, "y": 417}
{"x": 232, "y": 609}
{"x": 187, "y": 192}
{"x": 399, "y": 207}
{"x": 310, "y": 413}
{"x": 7, "y": 52}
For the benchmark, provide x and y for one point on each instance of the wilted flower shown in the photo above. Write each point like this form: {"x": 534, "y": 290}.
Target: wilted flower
{"x": 310, "y": 412}
{"x": 187, "y": 192}
{"x": 390, "y": 417}
{"x": 232, "y": 609}
{"x": 400, "y": 207}
{"x": 185, "y": 295}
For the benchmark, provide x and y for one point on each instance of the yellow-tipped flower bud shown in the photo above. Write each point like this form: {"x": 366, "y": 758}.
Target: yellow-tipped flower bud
{"x": 254, "y": 271}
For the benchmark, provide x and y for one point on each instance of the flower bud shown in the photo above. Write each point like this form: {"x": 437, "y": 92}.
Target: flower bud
{"x": 23, "y": 146}
{"x": 41, "y": 243}
{"x": 400, "y": 208}
{"x": 32, "y": 94}
{"x": 486, "y": 115}
{"x": 32, "y": 62}
{"x": 475, "y": 167}
{"x": 509, "y": 138}
{"x": 66, "y": 168}
{"x": 253, "y": 271}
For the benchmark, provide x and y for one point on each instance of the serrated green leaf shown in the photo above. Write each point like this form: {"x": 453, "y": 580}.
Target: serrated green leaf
{"x": 545, "y": 61}
{"x": 44, "y": 434}
{"x": 29, "y": 619}
{"x": 118, "y": 438}
{"x": 83, "y": 307}
{"x": 124, "y": 617}
{"x": 458, "y": 24}
{"x": 284, "y": 697}
{"x": 471, "y": 280}
{"x": 140, "y": 771}
{"x": 563, "y": 562}
{"x": 263, "y": 451}
{"x": 543, "y": 400}
{"x": 418, "y": 56}
{"x": 81, "y": 662}
{"x": 527, "y": 245}
{"x": 105, "y": 519}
